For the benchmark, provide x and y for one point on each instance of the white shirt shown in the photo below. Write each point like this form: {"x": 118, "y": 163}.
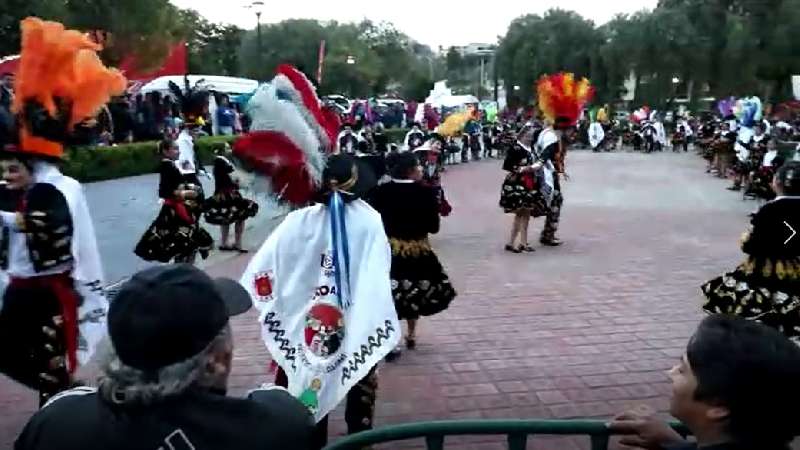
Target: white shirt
{"x": 186, "y": 156}
{"x": 596, "y": 134}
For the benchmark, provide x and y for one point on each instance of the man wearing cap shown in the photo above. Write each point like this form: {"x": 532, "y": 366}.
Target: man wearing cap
{"x": 165, "y": 377}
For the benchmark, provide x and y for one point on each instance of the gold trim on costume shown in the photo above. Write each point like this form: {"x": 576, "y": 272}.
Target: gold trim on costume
{"x": 410, "y": 248}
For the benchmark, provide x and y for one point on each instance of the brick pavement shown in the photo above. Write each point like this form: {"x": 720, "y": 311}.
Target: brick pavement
{"x": 583, "y": 330}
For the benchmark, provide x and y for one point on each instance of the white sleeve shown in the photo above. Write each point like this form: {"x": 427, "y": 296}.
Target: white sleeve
{"x": 185, "y": 156}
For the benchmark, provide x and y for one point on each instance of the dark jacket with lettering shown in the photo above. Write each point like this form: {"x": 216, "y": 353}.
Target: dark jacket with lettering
{"x": 80, "y": 419}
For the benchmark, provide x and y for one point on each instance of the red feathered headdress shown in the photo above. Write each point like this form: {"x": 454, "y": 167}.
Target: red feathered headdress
{"x": 290, "y": 134}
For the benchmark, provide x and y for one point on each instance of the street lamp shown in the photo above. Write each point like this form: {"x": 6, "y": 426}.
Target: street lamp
{"x": 676, "y": 80}
{"x": 257, "y": 7}
{"x": 351, "y": 59}
{"x": 516, "y": 87}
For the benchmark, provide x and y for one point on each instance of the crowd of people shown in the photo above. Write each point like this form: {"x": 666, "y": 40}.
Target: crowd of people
{"x": 330, "y": 285}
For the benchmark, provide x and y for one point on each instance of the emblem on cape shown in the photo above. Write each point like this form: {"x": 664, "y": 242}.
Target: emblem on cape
{"x": 324, "y": 331}
{"x": 263, "y": 286}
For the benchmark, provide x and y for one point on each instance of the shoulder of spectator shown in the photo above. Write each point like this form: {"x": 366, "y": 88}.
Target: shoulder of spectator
{"x": 279, "y": 399}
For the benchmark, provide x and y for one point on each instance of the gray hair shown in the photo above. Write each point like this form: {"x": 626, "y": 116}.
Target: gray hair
{"x": 124, "y": 385}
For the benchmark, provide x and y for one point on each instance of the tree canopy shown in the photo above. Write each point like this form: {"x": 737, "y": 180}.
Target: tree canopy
{"x": 697, "y": 47}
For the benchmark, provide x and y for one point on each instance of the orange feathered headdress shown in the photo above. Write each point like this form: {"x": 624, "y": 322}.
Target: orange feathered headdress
{"x": 61, "y": 82}
{"x": 562, "y": 98}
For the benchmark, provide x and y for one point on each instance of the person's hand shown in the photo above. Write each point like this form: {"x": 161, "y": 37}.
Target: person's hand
{"x": 644, "y": 431}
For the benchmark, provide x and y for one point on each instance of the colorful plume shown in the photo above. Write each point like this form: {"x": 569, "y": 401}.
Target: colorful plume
{"x": 454, "y": 124}
{"x": 289, "y": 137}
{"x": 562, "y": 98}
{"x": 61, "y": 78}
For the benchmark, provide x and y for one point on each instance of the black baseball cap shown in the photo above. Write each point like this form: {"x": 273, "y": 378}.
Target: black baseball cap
{"x": 167, "y": 314}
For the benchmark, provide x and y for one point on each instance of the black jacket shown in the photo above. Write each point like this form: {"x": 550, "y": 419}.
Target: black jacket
{"x": 769, "y": 235}
{"x": 80, "y": 419}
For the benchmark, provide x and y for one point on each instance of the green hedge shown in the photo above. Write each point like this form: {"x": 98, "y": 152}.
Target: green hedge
{"x": 88, "y": 164}
{"x": 106, "y": 163}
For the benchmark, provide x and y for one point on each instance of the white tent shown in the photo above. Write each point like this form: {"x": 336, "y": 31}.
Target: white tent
{"x": 228, "y": 85}
{"x": 441, "y": 96}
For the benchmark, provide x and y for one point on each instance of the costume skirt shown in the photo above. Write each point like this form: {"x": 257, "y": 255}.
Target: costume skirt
{"x": 39, "y": 329}
{"x": 766, "y": 290}
{"x": 420, "y": 286}
{"x": 761, "y": 184}
{"x": 227, "y": 207}
{"x": 520, "y": 192}
{"x": 172, "y": 236}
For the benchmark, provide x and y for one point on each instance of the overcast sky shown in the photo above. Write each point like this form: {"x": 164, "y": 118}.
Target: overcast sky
{"x": 431, "y": 22}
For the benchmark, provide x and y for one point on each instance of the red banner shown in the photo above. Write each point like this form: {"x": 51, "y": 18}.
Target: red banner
{"x": 174, "y": 64}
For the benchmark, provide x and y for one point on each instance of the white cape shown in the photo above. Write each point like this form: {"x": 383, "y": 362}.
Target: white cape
{"x": 323, "y": 347}
{"x": 87, "y": 269}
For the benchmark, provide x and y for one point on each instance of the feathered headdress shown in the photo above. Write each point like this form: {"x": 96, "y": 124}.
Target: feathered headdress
{"x": 562, "y": 98}
{"x": 289, "y": 137}
{"x": 454, "y": 124}
{"x": 60, "y": 83}
{"x": 193, "y": 101}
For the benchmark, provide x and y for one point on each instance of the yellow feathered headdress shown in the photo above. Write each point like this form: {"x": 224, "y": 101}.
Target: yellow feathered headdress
{"x": 61, "y": 82}
{"x": 562, "y": 98}
{"x": 454, "y": 124}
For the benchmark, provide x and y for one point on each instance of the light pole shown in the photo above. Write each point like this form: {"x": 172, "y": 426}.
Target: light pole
{"x": 351, "y": 61}
{"x": 257, "y": 7}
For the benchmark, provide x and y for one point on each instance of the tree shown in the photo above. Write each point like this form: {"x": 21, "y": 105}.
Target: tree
{"x": 145, "y": 29}
{"x": 13, "y": 11}
{"x": 213, "y": 48}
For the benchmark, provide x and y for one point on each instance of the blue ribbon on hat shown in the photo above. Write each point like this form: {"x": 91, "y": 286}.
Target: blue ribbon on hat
{"x": 341, "y": 250}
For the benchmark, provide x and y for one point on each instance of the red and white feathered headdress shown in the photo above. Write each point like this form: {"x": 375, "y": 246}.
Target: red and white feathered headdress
{"x": 290, "y": 136}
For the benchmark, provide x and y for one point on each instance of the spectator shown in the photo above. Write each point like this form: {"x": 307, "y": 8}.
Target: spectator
{"x": 165, "y": 377}
{"x": 122, "y": 118}
{"x": 6, "y": 99}
{"x": 226, "y": 116}
{"x": 735, "y": 389}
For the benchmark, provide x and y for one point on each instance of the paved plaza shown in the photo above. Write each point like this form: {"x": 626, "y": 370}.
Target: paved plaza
{"x": 584, "y": 330}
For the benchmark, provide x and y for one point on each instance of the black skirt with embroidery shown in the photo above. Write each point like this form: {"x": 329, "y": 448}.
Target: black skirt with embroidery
{"x": 420, "y": 286}
{"x": 227, "y": 207}
{"x": 170, "y": 237}
{"x": 762, "y": 289}
{"x": 520, "y": 192}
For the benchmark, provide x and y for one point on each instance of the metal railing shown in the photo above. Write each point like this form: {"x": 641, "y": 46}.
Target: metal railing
{"x": 516, "y": 432}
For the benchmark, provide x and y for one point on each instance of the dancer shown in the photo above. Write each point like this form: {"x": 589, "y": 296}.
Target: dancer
{"x": 519, "y": 194}
{"x": 561, "y": 99}
{"x": 596, "y": 132}
{"x": 766, "y": 286}
{"x": 347, "y": 140}
{"x": 429, "y": 157}
{"x": 175, "y": 234}
{"x": 227, "y": 206}
{"x": 53, "y": 310}
{"x": 410, "y": 212}
{"x": 321, "y": 279}
{"x": 193, "y": 102}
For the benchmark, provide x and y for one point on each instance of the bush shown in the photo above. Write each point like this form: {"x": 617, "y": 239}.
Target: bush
{"x": 87, "y": 164}
{"x": 107, "y": 163}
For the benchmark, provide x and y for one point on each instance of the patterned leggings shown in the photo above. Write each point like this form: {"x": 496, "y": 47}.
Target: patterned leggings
{"x": 553, "y": 217}
{"x": 359, "y": 409}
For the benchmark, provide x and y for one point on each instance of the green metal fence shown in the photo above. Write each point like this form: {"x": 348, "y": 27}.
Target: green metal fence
{"x": 516, "y": 432}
